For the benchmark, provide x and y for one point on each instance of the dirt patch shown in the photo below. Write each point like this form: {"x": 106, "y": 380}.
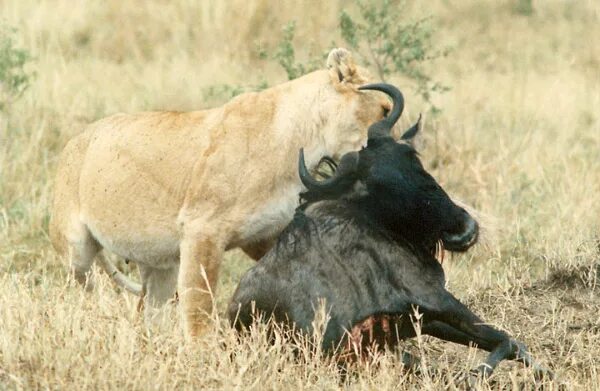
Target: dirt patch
{"x": 585, "y": 276}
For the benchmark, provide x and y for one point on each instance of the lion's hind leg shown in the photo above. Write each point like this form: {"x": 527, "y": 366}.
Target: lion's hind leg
{"x": 69, "y": 235}
{"x": 159, "y": 286}
{"x": 82, "y": 249}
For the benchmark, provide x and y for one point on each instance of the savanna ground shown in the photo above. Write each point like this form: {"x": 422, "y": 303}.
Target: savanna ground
{"x": 518, "y": 138}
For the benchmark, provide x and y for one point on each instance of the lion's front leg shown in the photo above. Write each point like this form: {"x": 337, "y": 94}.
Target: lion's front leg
{"x": 198, "y": 273}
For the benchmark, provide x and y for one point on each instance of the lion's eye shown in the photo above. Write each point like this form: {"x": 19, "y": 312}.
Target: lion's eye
{"x": 386, "y": 111}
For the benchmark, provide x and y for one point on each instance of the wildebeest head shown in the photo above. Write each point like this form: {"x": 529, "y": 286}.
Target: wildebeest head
{"x": 388, "y": 181}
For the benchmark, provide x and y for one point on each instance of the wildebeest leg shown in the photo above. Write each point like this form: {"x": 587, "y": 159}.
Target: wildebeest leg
{"x": 198, "y": 272}
{"x": 458, "y": 324}
{"x": 499, "y": 349}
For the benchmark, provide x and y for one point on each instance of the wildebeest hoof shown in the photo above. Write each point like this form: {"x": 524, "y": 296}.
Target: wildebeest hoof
{"x": 483, "y": 370}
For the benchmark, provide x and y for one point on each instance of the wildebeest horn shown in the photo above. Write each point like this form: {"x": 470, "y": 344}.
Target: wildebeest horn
{"x": 383, "y": 128}
{"x": 412, "y": 131}
{"x": 347, "y": 166}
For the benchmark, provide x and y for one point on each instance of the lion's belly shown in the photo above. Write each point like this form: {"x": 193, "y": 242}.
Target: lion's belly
{"x": 159, "y": 250}
{"x": 132, "y": 225}
{"x": 140, "y": 236}
{"x": 270, "y": 219}
{"x": 131, "y": 189}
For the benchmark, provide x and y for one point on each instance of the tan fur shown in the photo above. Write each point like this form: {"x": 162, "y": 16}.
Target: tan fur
{"x": 175, "y": 190}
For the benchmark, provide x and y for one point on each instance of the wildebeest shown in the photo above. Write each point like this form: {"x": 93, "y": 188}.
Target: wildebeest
{"x": 363, "y": 243}
{"x": 172, "y": 191}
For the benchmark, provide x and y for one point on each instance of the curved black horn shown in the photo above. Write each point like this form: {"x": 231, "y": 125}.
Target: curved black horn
{"x": 412, "y": 131}
{"x": 347, "y": 167}
{"x": 384, "y": 127}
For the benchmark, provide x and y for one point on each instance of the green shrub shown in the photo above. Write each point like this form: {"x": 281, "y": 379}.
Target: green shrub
{"x": 221, "y": 93}
{"x": 390, "y": 45}
{"x": 285, "y": 55}
{"x": 14, "y": 79}
{"x": 523, "y": 7}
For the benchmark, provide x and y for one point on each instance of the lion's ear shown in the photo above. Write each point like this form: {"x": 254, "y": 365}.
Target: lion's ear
{"x": 341, "y": 66}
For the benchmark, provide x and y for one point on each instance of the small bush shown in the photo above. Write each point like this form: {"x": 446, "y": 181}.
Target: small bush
{"x": 14, "y": 79}
{"x": 221, "y": 93}
{"x": 285, "y": 55}
{"x": 390, "y": 45}
{"x": 523, "y": 7}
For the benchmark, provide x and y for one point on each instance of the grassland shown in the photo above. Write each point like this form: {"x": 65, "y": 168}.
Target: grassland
{"x": 518, "y": 138}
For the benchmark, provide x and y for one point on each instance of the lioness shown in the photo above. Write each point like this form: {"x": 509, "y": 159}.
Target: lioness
{"x": 172, "y": 191}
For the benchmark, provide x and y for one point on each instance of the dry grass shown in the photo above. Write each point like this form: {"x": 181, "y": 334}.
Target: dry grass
{"x": 519, "y": 138}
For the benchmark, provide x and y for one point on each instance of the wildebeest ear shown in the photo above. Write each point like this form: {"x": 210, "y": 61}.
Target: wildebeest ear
{"x": 341, "y": 66}
{"x": 412, "y": 131}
